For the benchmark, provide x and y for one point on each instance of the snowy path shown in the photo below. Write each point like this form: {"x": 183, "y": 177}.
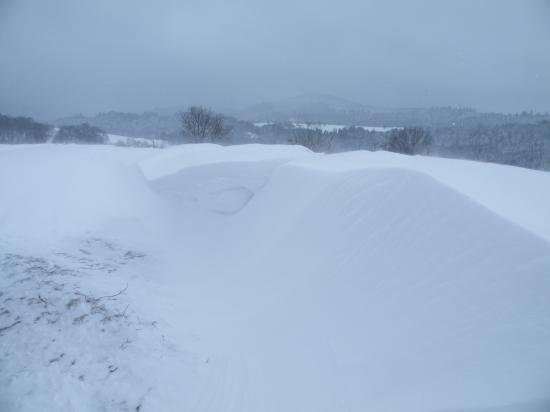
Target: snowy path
{"x": 255, "y": 278}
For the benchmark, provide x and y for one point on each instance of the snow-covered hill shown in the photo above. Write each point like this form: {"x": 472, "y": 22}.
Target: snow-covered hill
{"x": 270, "y": 278}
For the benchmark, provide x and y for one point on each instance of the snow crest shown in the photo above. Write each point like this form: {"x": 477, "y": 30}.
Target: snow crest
{"x": 269, "y": 278}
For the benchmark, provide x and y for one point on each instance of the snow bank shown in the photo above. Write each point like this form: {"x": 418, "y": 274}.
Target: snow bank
{"x": 517, "y": 194}
{"x": 271, "y": 278}
{"x": 355, "y": 282}
{"x": 395, "y": 293}
{"x": 53, "y": 190}
{"x": 192, "y": 155}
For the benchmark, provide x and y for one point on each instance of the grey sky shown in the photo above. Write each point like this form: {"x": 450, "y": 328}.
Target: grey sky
{"x": 61, "y": 57}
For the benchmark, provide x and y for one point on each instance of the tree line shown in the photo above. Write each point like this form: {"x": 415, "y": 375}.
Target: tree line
{"x": 15, "y": 130}
{"x": 19, "y": 130}
{"x": 201, "y": 124}
{"x": 519, "y": 144}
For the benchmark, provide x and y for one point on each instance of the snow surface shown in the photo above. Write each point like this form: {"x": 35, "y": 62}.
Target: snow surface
{"x": 270, "y": 278}
{"x": 134, "y": 141}
{"x": 331, "y": 127}
{"x": 336, "y": 127}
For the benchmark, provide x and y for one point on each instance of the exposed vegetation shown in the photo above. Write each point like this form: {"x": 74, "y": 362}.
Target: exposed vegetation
{"x": 313, "y": 139}
{"x": 14, "y": 130}
{"x": 83, "y": 133}
{"x": 414, "y": 140}
{"x": 201, "y": 124}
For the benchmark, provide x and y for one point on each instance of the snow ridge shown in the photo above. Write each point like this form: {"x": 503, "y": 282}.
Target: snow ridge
{"x": 269, "y": 278}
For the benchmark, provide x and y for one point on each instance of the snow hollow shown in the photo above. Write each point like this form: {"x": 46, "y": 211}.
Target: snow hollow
{"x": 270, "y": 278}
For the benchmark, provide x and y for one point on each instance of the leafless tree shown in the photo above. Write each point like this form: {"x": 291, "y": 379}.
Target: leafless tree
{"x": 313, "y": 139}
{"x": 414, "y": 140}
{"x": 82, "y": 133}
{"x": 202, "y": 124}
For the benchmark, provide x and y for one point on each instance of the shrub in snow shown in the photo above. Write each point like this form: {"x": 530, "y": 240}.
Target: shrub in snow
{"x": 201, "y": 124}
{"x": 314, "y": 139}
{"x": 414, "y": 140}
{"x": 22, "y": 130}
{"x": 83, "y": 133}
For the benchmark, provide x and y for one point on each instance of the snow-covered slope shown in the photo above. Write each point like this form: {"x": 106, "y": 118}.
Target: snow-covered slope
{"x": 330, "y": 127}
{"x": 269, "y": 278}
{"x": 120, "y": 140}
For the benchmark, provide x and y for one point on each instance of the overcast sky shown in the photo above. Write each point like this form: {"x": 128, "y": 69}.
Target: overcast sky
{"x": 60, "y": 57}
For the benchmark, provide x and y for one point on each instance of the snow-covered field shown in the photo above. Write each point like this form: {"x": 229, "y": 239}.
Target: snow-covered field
{"x": 270, "y": 278}
{"x": 330, "y": 127}
{"x": 119, "y": 140}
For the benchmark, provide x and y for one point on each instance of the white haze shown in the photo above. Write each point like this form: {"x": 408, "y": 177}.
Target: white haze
{"x": 60, "y": 57}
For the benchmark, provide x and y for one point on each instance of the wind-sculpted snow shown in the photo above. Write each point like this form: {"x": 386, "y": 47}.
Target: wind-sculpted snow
{"x": 269, "y": 278}
{"x": 52, "y": 191}
{"x": 519, "y": 195}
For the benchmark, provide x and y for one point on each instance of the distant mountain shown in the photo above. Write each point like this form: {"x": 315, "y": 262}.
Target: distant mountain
{"x": 305, "y": 107}
{"x": 317, "y": 108}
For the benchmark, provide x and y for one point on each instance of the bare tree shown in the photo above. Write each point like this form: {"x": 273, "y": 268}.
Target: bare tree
{"x": 82, "y": 133}
{"x": 414, "y": 140}
{"x": 202, "y": 124}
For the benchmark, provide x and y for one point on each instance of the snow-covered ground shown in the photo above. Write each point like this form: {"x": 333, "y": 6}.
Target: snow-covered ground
{"x": 330, "y": 127}
{"x": 270, "y": 278}
{"x": 120, "y": 140}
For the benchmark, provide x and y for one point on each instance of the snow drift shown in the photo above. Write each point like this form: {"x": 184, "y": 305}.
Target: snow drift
{"x": 282, "y": 280}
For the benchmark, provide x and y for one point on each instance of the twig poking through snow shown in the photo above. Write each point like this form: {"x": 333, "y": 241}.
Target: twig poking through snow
{"x": 44, "y": 301}
{"x": 115, "y": 295}
{"x": 92, "y": 299}
{"x": 10, "y": 326}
